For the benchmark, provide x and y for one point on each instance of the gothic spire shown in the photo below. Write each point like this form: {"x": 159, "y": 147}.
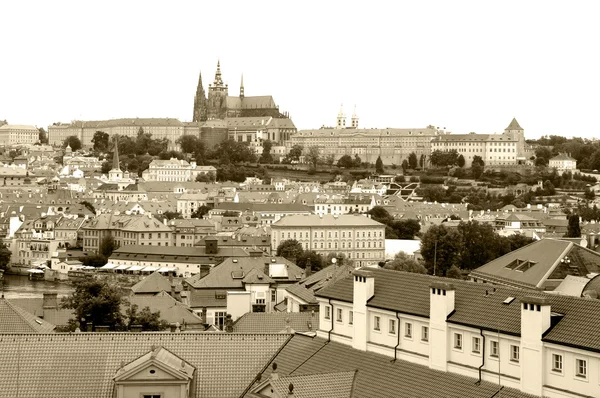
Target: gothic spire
{"x": 218, "y": 80}
{"x": 199, "y": 102}
{"x": 242, "y": 87}
{"x": 116, "y": 155}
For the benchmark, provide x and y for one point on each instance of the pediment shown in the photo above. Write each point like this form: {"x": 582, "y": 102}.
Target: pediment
{"x": 158, "y": 364}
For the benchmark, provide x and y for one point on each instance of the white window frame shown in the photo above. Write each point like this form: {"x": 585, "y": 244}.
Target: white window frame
{"x": 557, "y": 359}
{"x": 476, "y": 345}
{"x": 392, "y": 326}
{"x": 339, "y": 316}
{"x": 458, "y": 341}
{"x": 515, "y": 353}
{"x": 350, "y": 317}
{"x": 327, "y": 312}
{"x": 578, "y": 374}
{"x": 408, "y": 330}
{"x": 425, "y": 333}
{"x": 494, "y": 348}
{"x": 377, "y": 323}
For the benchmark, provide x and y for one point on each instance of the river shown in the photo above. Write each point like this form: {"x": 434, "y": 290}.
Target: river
{"x": 19, "y": 286}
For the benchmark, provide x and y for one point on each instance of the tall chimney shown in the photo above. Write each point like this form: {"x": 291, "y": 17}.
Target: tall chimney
{"x": 441, "y": 304}
{"x": 535, "y": 321}
{"x": 50, "y": 301}
{"x": 364, "y": 289}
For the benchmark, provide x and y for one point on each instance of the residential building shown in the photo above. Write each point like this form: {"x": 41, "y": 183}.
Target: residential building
{"x": 240, "y": 241}
{"x": 266, "y": 213}
{"x": 517, "y": 338}
{"x": 563, "y": 162}
{"x": 507, "y": 148}
{"x": 35, "y": 241}
{"x": 16, "y": 134}
{"x": 515, "y": 223}
{"x": 11, "y": 175}
{"x": 255, "y": 130}
{"x": 359, "y": 237}
{"x": 126, "y": 229}
{"x": 392, "y": 144}
{"x": 68, "y": 231}
{"x": 175, "y": 170}
{"x": 187, "y": 232}
{"x": 338, "y": 204}
{"x": 188, "y": 203}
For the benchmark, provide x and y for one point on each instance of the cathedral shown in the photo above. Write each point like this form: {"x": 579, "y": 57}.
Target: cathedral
{"x": 220, "y": 105}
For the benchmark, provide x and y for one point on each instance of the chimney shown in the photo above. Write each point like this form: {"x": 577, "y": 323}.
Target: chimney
{"x": 441, "y": 304}
{"x": 274, "y": 375}
{"x": 211, "y": 245}
{"x": 291, "y": 391}
{"x": 204, "y": 314}
{"x": 101, "y": 329}
{"x": 228, "y": 324}
{"x": 175, "y": 327}
{"x": 364, "y": 289}
{"x": 135, "y": 328}
{"x": 308, "y": 270}
{"x": 535, "y": 321}
{"x": 50, "y": 301}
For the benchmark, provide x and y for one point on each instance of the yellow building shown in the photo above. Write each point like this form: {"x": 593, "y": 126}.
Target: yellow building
{"x": 359, "y": 237}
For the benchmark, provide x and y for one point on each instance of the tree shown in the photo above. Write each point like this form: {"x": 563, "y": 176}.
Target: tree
{"x": 422, "y": 161}
{"x": 43, "y": 136}
{"x": 266, "y": 157}
{"x": 5, "y": 255}
{"x": 573, "y": 231}
{"x": 454, "y": 272}
{"x": 106, "y": 166}
{"x": 95, "y": 303}
{"x": 404, "y": 165}
{"x": 477, "y": 160}
{"x": 357, "y": 160}
{"x": 107, "y": 246}
{"x": 406, "y": 229}
{"x": 290, "y": 249}
{"x": 310, "y": 258}
{"x": 101, "y": 141}
{"x": 345, "y": 162}
{"x": 379, "y": 166}
{"x": 172, "y": 215}
{"x": 93, "y": 260}
{"x": 231, "y": 151}
{"x": 294, "y": 154}
{"x": 329, "y": 159}
{"x": 480, "y": 244}
{"x": 412, "y": 160}
{"x": 541, "y": 162}
{"x": 73, "y": 142}
{"x": 200, "y": 211}
{"x": 444, "y": 158}
{"x": 589, "y": 194}
{"x": 441, "y": 247}
{"x": 142, "y": 141}
{"x": 313, "y": 156}
{"x": 460, "y": 161}
{"x": 148, "y": 320}
{"x": 380, "y": 214}
{"x": 476, "y": 171}
{"x": 188, "y": 143}
{"x": 404, "y": 262}
{"x": 206, "y": 177}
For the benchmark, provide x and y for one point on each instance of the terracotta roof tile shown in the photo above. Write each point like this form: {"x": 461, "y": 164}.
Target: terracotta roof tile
{"x": 14, "y": 319}
{"x": 276, "y": 322}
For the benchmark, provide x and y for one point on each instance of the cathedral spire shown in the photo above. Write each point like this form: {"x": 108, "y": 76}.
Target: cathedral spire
{"x": 116, "y": 155}
{"x": 242, "y": 87}
{"x": 341, "y": 118}
{"x": 199, "y": 102}
{"x": 354, "y": 119}
{"x": 218, "y": 80}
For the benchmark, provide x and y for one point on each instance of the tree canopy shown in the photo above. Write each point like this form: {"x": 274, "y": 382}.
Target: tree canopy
{"x": 404, "y": 262}
{"x": 95, "y": 303}
{"x": 73, "y": 142}
{"x": 379, "y": 166}
{"x": 101, "y": 141}
{"x": 5, "y": 255}
{"x": 290, "y": 249}
{"x": 444, "y": 158}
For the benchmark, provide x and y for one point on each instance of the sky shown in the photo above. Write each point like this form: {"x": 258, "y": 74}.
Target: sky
{"x": 466, "y": 66}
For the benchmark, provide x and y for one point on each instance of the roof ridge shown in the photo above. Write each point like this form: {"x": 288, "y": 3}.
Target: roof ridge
{"x": 21, "y": 313}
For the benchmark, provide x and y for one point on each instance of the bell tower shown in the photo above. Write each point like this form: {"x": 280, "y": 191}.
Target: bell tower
{"x": 341, "y": 118}
{"x": 217, "y": 96}
{"x": 354, "y": 119}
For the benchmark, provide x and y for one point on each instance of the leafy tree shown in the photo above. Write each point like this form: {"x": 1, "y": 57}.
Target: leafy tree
{"x": 294, "y": 154}
{"x": 188, "y": 143}
{"x": 229, "y": 172}
{"x": 200, "y": 211}
{"x": 5, "y": 255}
{"x": 313, "y": 156}
{"x": 143, "y": 141}
{"x": 589, "y": 194}
{"x": 544, "y": 153}
{"x": 148, "y": 320}
{"x": 573, "y": 231}
{"x": 406, "y": 229}
{"x": 441, "y": 246}
{"x": 166, "y": 155}
{"x": 171, "y": 215}
{"x": 107, "y": 246}
{"x": 404, "y": 262}
{"x": 312, "y": 258}
{"x": 541, "y": 162}
{"x": 412, "y": 160}
{"x": 231, "y": 151}
{"x": 444, "y": 158}
{"x": 329, "y": 159}
{"x": 380, "y": 214}
{"x": 477, "y": 160}
{"x": 266, "y": 157}
{"x": 101, "y": 141}
{"x": 345, "y": 161}
{"x": 476, "y": 171}
{"x": 93, "y": 260}
{"x": 460, "y": 162}
{"x": 379, "y": 166}
{"x": 454, "y": 272}
{"x": 95, "y": 303}
{"x": 72, "y": 141}
{"x": 290, "y": 249}
{"x": 404, "y": 165}
{"x": 422, "y": 161}
{"x": 43, "y": 136}
{"x": 206, "y": 177}
{"x": 480, "y": 244}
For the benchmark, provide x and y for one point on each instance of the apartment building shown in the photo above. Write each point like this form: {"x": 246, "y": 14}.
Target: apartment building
{"x": 187, "y": 232}
{"x": 126, "y": 229}
{"x": 540, "y": 344}
{"x": 188, "y": 203}
{"x": 265, "y": 213}
{"x": 359, "y": 237}
{"x": 342, "y": 204}
{"x": 16, "y": 134}
{"x": 175, "y": 170}
{"x": 34, "y": 241}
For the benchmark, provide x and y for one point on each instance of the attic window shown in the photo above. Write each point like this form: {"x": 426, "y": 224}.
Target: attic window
{"x": 509, "y": 300}
{"x": 220, "y": 295}
{"x": 237, "y": 274}
{"x": 520, "y": 265}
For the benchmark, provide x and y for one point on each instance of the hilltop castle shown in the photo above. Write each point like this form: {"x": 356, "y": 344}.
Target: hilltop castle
{"x": 220, "y": 105}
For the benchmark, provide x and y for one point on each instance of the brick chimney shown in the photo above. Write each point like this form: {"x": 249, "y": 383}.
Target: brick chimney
{"x": 535, "y": 321}
{"x": 50, "y": 301}
{"x": 135, "y": 328}
{"x": 441, "y": 304}
{"x": 364, "y": 289}
{"x": 211, "y": 244}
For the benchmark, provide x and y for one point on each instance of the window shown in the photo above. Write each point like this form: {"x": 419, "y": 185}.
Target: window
{"x": 494, "y": 349}
{"x": 376, "y": 325}
{"x": 151, "y": 396}
{"x": 220, "y": 319}
{"x": 581, "y": 368}
{"x": 350, "y": 317}
{"x": 476, "y": 347}
{"x": 514, "y": 353}
{"x": 392, "y": 327}
{"x": 273, "y": 296}
{"x": 557, "y": 363}
{"x": 408, "y": 329}
{"x": 327, "y": 312}
{"x": 458, "y": 341}
{"x": 339, "y": 315}
{"x": 424, "y": 333}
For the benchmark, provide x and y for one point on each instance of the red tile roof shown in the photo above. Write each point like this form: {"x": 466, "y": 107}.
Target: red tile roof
{"x": 14, "y": 319}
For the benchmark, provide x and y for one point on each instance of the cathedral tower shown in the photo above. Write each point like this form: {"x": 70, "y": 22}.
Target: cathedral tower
{"x": 217, "y": 96}
{"x": 354, "y": 119}
{"x": 115, "y": 174}
{"x": 341, "y": 118}
{"x": 242, "y": 88}
{"x": 199, "y": 102}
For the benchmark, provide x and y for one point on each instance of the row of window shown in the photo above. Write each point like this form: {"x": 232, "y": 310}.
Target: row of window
{"x": 581, "y": 368}
{"x": 330, "y": 234}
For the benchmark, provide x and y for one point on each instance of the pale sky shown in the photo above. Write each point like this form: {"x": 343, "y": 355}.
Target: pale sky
{"x": 464, "y": 65}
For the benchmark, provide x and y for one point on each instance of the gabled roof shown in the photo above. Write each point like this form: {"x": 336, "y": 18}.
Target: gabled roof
{"x": 306, "y": 288}
{"x": 514, "y": 125}
{"x": 163, "y": 357}
{"x": 153, "y": 283}
{"x": 409, "y": 293}
{"x": 276, "y": 322}
{"x": 14, "y": 319}
{"x": 84, "y": 364}
{"x": 330, "y": 385}
{"x": 376, "y": 375}
{"x": 170, "y": 309}
{"x": 563, "y": 156}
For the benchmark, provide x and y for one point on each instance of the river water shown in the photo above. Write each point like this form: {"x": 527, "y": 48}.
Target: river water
{"x": 19, "y": 286}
